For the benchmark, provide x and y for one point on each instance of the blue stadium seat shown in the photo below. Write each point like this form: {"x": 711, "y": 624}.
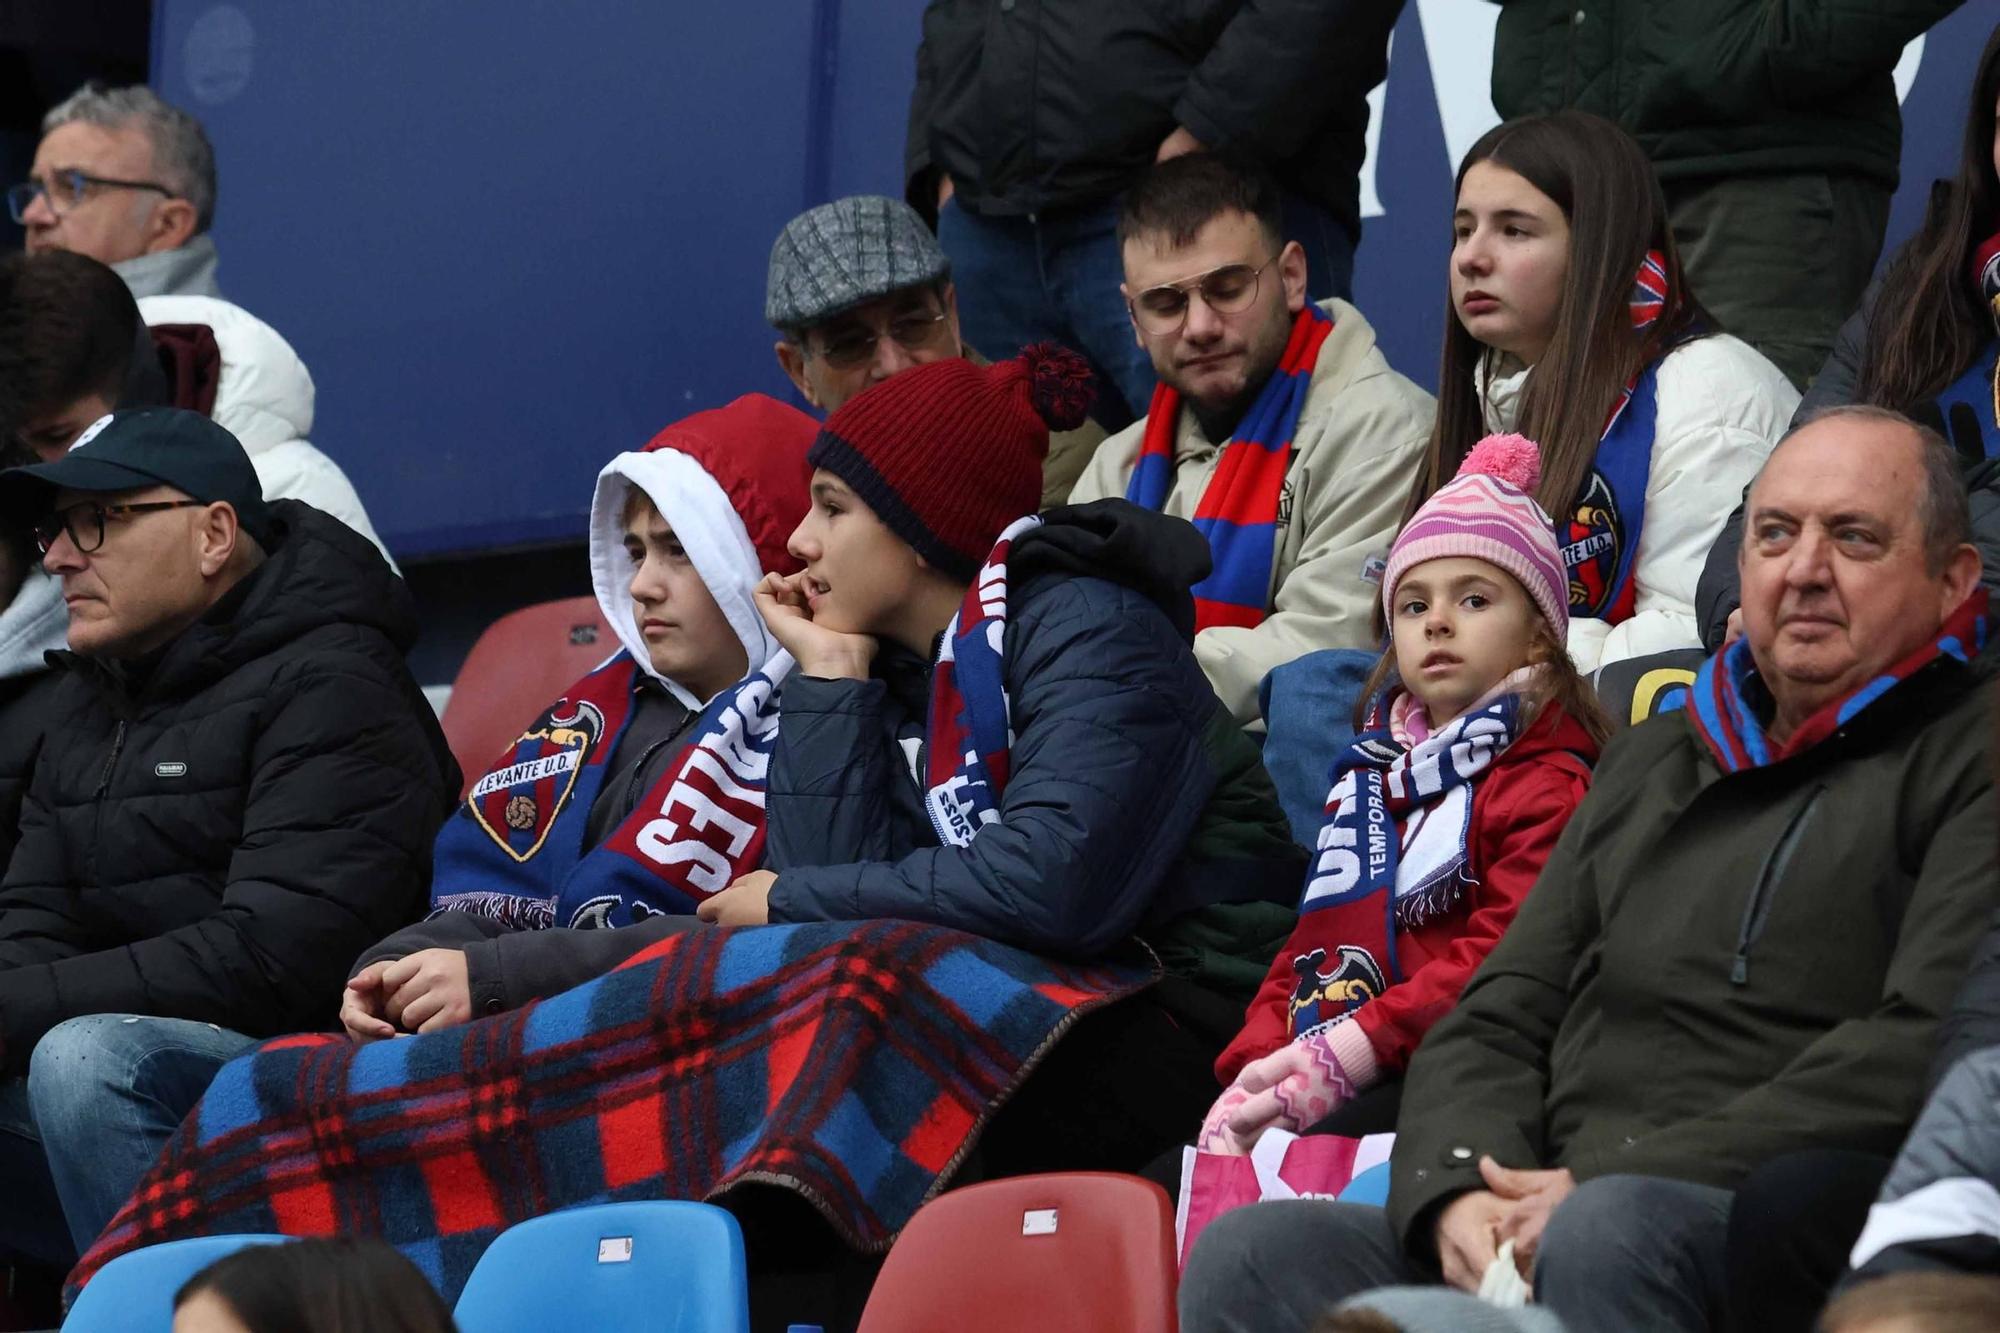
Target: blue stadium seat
{"x": 655, "y": 1265}
{"x": 134, "y": 1293}
{"x": 1371, "y": 1186}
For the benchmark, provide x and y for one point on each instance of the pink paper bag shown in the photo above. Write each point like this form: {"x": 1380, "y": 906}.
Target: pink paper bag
{"x": 1281, "y": 1166}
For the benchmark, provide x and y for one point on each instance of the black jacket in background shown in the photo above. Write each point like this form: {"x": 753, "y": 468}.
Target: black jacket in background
{"x": 215, "y": 836}
{"x": 1052, "y": 104}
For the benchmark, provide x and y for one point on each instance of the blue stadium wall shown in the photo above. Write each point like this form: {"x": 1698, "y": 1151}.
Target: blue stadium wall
{"x": 512, "y": 237}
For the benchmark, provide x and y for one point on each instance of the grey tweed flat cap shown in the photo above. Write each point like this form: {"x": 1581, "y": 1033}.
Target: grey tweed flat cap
{"x": 841, "y": 254}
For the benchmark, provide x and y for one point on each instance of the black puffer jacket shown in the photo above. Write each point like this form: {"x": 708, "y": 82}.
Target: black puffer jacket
{"x": 1047, "y": 104}
{"x": 213, "y": 835}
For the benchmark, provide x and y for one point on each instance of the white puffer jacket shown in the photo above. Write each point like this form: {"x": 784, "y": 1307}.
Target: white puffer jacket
{"x": 1722, "y": 408}
{"x": 265, "y": 399}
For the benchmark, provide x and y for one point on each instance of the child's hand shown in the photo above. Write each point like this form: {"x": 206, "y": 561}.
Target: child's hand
{"x": 829, "y": 654}
{"x": 361, "y": 1005}
{"x": 428, "y": 991}
{"x": 1215, "y": 1134}
{"x": 1295, "y": 1087}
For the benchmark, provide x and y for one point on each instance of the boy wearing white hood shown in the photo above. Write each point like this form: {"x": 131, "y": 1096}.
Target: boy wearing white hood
{"x": 639, "y": 793}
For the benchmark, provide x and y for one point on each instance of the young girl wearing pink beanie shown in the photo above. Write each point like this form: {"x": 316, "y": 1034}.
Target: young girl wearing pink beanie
{"x": 1443, "y": 809}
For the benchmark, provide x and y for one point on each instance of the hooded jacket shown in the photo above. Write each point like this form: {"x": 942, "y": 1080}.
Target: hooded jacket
{"x": 1360, "y": 438}
{"x": 1133, "y": 800}
{"x": 1716, "y": 968}
{"x": 731, "y": 484}
{"x": 212, "y": 831}
{"x": 1722, "y": 408}
{"x": 263, "y": 395}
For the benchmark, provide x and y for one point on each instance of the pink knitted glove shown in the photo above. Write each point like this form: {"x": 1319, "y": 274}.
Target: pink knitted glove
{"x": 1294, "y": 1087}
{"x": 1215, "y": 1136}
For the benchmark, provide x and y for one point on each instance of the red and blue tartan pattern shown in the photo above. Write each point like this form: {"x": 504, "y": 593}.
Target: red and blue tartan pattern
{"x": 852, "y": 1063}
{"x": 1238, "y": 509}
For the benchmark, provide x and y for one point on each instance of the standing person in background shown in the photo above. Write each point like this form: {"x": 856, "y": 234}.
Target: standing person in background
{"x": 1774, "y": 130}
{"x": 1572, "y": 323}
{"x": 1031, "y": 117}
{"x": 1925, "y": 342}
{"x": 129, "y": 180}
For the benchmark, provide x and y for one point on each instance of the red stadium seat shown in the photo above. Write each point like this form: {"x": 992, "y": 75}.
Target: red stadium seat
{"x": 520, "y": 665}
{"x": 1033, "y": 1254}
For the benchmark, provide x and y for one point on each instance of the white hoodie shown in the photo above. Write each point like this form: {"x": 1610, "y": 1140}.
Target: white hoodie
{"x": 1722, "y": 408}
{"x": 265, "y": 399}
{"x": 706, "y": 525}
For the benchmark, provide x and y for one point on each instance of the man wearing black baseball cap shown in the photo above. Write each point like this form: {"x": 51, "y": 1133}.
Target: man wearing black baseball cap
{"x": 237, "y": 794}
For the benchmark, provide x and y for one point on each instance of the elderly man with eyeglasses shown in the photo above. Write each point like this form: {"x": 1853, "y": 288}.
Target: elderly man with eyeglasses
{"x": 129, "y": 180}
{"x": 858, "y": 290}
{"x": 1250, "y": 368}
{"x": 237, "y": 793}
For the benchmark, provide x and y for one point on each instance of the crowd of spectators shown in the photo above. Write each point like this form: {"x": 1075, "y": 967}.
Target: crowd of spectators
{"x": 1130, "y": 683}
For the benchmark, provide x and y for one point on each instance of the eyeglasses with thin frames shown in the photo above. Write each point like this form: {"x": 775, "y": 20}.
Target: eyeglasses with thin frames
{"x": 1229, "y": 290}
{"x": 85, "y": 522}
{"x": 68, "y": 188}
{"x": 917, "y": 331}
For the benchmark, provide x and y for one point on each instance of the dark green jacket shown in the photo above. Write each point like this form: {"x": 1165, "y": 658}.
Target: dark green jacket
{"x": 1718, "y": 968}
{"x": 1721, "y": 87}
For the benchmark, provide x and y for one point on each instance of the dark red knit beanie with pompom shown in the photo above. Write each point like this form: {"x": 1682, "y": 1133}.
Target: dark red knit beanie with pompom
{"x": 947, "y": 454}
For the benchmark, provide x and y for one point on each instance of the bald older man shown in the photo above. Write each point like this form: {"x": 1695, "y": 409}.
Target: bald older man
{"x": 1740, "y": 950}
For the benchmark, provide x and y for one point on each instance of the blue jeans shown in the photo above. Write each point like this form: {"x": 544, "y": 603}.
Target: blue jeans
{"x": 102, "y": 1097}
{"x": 1308, "y": 706}
{"x": 1054, "y": 277}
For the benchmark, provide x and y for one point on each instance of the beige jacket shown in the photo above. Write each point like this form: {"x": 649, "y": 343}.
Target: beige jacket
{"x": 1358, "y": 445}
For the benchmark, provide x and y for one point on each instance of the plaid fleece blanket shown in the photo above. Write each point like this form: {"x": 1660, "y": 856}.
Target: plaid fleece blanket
{"x": 853, "y": 1063}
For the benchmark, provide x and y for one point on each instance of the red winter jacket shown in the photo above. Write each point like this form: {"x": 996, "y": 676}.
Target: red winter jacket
{"x": 1519, "y": 807}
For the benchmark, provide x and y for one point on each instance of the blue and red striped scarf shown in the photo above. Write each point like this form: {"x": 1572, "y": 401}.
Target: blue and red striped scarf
{"x": 970, "y": 730}
{"x": 1727, "y": 702}
{"x": 1238, "y": 509}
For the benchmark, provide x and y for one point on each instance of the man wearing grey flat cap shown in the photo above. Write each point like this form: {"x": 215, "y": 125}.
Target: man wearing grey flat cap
{"x": 238, "y": 792}
{"x": 859, "y": 290}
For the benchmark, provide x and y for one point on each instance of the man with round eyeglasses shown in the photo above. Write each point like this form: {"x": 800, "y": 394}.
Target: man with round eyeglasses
{"x": 237, "y": 792}
{"x": 858, "y": 291}
{"x": 1216, "y": 294}
{"x": 129, "y": 180}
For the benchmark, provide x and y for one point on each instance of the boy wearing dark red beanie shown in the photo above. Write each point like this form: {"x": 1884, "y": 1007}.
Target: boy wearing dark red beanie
{"x": 997, "y": 724}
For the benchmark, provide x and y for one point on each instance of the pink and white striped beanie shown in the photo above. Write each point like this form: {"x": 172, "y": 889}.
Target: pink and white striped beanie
{"x": 1488, "y": 512}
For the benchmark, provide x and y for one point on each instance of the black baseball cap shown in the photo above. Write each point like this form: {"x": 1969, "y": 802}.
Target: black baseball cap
{"x": 153, "y": 446}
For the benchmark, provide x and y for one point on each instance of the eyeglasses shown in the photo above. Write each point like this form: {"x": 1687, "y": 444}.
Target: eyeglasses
{"x": 916, "y": 332}
{"x": 1228, "y": 290}
{"x": 85, "y": 522}
{"x": 66, "y": 189}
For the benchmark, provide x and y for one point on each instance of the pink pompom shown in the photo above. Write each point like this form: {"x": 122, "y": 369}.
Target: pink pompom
{"x": 1514, "y": 459}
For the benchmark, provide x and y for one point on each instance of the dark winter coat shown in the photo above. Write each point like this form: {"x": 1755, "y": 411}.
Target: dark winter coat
{"x": 1715, "y": 969}
{"x": 1133, "y": 800}
{"x": 1721, "y": 87}
{"x": 214, "y": 833}
{"x": 1035, "y": 105}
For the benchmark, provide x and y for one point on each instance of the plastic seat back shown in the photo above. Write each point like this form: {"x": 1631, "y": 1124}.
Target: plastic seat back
{"x": 661, "y": 1265}
{"x": 519, "y": 666}
{"x": 1034, "y": 1254}
{"x": 134, "y": 1293}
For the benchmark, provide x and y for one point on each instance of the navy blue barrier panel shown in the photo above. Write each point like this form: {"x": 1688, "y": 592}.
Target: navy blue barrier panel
{"x": 511, "y": 238}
